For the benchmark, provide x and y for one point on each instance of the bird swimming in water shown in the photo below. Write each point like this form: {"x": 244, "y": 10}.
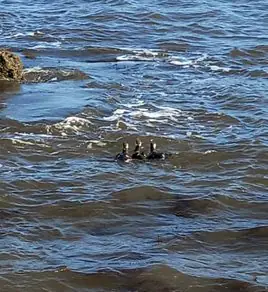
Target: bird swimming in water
{"x": 123, "y": 156}
{"x": 137, "y": 151}
{"x": 154, "y": 154}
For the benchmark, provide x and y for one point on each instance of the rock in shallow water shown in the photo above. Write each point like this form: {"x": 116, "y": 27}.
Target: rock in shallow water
{"x": 11, "y": 66}
{"x": 49, "y": 74}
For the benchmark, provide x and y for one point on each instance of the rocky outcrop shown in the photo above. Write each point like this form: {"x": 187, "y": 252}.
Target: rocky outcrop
{"x": 11, "y": 67}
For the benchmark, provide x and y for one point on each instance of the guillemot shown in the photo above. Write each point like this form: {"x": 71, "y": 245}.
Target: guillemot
{"x": 123, "y": 156}
{"x": 154, "y": 154}
{"x": 137, "y": 151}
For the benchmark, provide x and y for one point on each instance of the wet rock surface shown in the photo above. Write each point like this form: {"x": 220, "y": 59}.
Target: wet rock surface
{"x": 11, "y": 66}
{"x": 46, "y": 74}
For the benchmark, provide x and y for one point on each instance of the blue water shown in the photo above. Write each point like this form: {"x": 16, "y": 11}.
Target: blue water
{"x": 190, "y": 75}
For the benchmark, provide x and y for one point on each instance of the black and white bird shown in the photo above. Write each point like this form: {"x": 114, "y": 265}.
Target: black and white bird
{"x": 123, "y": 156}
{"x": 154, "y": 154}
{"x": 137, "y": 151}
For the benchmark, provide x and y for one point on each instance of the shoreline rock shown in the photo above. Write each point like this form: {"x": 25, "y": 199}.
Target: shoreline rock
{"x": 11, "y": 66}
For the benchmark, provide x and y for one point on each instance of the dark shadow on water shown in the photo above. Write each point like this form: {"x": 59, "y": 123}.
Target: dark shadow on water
{"x": 153, "y": 278}
{"x": 8, "y": 87}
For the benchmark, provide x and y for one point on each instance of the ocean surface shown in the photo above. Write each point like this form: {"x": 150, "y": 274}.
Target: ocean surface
{"x": 192, "y": 76}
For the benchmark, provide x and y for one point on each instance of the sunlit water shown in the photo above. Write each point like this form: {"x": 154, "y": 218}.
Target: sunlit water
{"x": 192, "y": 75}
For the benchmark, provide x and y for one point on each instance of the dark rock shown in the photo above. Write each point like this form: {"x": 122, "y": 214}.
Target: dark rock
{"x": 29, "y": 54}
{"x": 11, "y": 66}
{"x": 49, "y": 74}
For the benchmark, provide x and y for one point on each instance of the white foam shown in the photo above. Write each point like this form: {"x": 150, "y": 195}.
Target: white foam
{"x": 18, "y": 35}
{"x": 32, "y": 136}
{"x": 210, "y": 151}
{"x": 140, "y": 55}
{"x": 38, "y": 32}
{"x": 218, "y": 68}
{"x": 196, "y": 63}
{"x": 97, "y": 142}
{"x": 168, "y": 108}
{"x": 136, "y": 104}
{"x": 75, "y": 121}
{"x": 16, "y": 141}
{"x": 188, "y": 62}
{"x": 73, "y": 124}
{"x": 123, "y": 58}
{"x": 34, "y": 69}
{"x": 116, "y": 115}
{"x": 165, "y": 112}
{"x": 45, "y": 45}
{"x": 151, "y": 117}
{"x": 146, "y": 52}
{"x": 181, "y": 62}
{"x": 133, "y": 58}
{"x": 29, "y": 33}
{"x": 199, "y": 137}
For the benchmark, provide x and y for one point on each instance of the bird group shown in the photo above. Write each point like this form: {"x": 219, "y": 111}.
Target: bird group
{"x": 138, "y": 154}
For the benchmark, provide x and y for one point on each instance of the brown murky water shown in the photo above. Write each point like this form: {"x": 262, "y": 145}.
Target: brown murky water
{"x": 190, "y": 75}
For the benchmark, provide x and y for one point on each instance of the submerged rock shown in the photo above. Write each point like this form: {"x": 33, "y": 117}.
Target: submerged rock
{"x": 49, "y": 74}
{"x": 11, "y": 66}
{"x": 29, "y": 54}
